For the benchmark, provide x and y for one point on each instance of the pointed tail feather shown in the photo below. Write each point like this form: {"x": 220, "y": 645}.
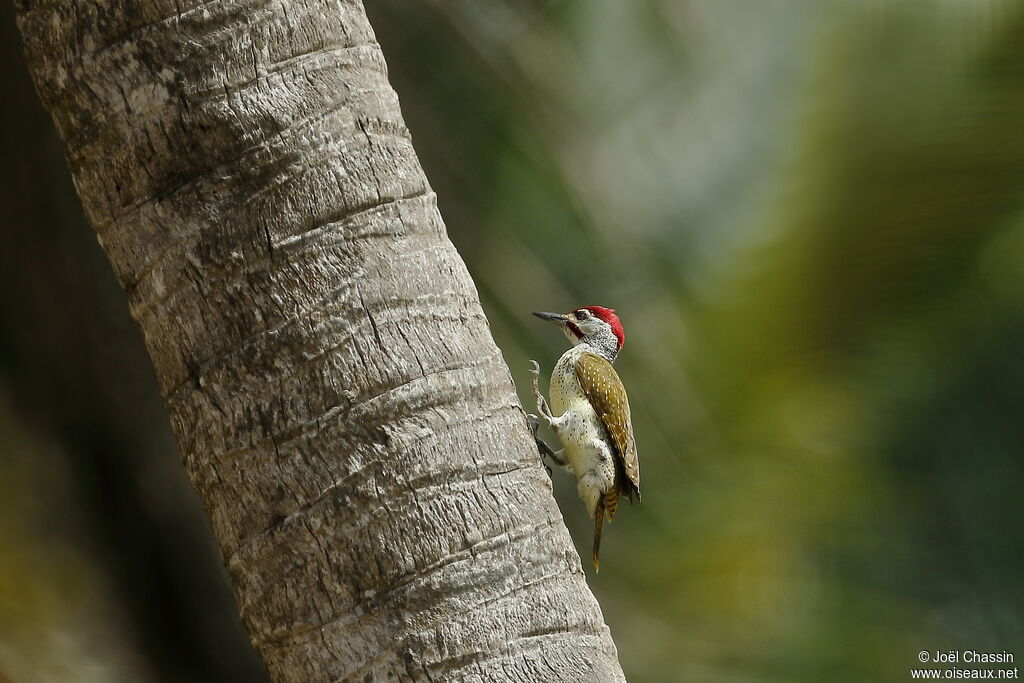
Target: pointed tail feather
{"x": 598, "y": 525}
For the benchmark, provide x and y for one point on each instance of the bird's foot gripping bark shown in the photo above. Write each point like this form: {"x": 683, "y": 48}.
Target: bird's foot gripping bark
{"x": 542, "y": 404}
{"x": 557, "y": 457}
{"x": 543, "y": 448}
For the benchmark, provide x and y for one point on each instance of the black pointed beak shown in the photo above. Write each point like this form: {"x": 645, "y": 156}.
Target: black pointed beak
{"x": 556, "y": 318}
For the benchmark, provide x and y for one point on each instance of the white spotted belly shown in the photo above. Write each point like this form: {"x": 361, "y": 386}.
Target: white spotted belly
{"x": 582, "y": 434}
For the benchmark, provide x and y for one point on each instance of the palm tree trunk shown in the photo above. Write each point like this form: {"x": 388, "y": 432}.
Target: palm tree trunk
{"x": 340, "y": 405}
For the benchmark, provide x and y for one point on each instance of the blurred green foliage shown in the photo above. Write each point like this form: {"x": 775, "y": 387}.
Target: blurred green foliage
{"x": 57, "y": 619}
{"x": 809, "y": 216}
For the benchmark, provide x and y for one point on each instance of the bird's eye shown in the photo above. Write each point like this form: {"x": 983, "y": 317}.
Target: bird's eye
{"x": 581, "y": 314}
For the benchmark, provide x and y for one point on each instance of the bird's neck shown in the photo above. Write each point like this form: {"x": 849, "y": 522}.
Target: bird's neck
{"x": 608, "y": 351}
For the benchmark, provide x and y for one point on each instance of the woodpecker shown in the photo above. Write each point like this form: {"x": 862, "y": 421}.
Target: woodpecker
{"x": 590, "y": 413}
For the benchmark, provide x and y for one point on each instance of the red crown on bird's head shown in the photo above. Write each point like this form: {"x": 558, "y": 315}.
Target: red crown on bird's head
{"x": 608, "y": 315}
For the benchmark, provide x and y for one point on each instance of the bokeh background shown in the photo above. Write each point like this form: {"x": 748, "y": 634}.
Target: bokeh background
{"x": 810, "y": 216}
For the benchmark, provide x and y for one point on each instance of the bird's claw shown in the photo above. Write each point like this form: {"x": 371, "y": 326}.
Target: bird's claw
{"x": 542, "y": 405}
{"x": 542, "y": 447}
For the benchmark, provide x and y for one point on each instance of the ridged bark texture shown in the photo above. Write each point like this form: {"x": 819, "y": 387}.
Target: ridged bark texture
{"x": 340, "y": 405}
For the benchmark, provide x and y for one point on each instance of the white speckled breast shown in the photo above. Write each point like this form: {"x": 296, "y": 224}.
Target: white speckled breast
{"x": 582, "y": 433}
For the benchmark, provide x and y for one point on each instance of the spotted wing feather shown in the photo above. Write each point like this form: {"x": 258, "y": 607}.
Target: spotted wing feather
{"x": 604, "y": 390}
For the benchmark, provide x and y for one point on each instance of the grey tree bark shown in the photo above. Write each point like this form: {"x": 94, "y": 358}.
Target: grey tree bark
{"x": 339, "y": 403}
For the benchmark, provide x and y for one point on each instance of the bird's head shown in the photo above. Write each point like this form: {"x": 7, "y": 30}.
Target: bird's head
{"x": 595, "y": 326}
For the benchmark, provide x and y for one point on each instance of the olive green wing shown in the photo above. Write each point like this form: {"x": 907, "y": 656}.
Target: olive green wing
{"x": 604, "y": 390}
